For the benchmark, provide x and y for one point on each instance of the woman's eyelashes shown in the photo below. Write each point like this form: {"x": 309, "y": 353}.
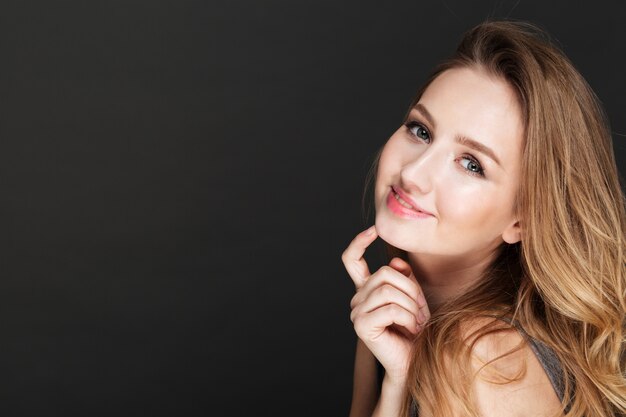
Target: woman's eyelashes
{"x": 473, "y": 166}
{"x": 420, "y": 131}
{"x": 417, "y": 130}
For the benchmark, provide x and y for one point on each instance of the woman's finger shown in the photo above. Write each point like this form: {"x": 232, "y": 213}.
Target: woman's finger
{"x": 369, "y": 326}
{"x": 352, "y": 257}
{"x": 402, "y": 266}
{"x": 387, "y": 294}
{"x": 388, "y": 275}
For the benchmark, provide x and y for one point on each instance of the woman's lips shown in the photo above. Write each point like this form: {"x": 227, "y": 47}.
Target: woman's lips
{"x": 408, "y": 200}
{"x": 396, "y": 207}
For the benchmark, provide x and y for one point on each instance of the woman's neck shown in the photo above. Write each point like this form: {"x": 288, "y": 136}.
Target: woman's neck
{"x": 445, "y": 277}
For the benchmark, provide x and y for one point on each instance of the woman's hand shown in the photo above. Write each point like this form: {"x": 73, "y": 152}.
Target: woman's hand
{"x": 388, "y": 309}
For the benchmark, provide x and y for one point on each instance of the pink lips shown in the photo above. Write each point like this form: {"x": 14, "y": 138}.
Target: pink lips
{"x": 396, "y": 207}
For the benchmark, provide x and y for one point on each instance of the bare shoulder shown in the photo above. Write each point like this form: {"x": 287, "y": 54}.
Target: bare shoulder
{"x": 510, "y": 380}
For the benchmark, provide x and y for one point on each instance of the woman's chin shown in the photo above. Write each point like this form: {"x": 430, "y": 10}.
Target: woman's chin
{"x": 390, "y": 234}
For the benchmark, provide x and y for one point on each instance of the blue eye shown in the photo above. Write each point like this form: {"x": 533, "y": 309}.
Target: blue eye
{"x": 473, "y": 166}
{"x": 418, "y": 130}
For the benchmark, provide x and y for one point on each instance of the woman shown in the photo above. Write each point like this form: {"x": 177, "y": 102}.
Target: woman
{"x": 499, "y": 203}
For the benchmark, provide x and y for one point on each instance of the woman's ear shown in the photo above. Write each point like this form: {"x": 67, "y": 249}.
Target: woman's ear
{"x": 513, "y": 233}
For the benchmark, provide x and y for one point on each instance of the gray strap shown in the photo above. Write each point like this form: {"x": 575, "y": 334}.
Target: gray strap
{"x": 547, "y": 358}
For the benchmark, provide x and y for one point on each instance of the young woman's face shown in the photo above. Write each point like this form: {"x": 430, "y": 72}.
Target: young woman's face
{"x": 457, "y": 157}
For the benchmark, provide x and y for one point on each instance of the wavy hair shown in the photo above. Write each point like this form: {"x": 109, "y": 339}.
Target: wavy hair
{"x": 565, "y": 281}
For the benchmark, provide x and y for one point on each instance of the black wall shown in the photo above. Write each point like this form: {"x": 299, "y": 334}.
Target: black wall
{"x": 179, "y": 179}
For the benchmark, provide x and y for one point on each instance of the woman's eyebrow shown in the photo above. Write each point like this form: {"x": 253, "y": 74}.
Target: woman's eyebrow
{"x": 462, "y": 139}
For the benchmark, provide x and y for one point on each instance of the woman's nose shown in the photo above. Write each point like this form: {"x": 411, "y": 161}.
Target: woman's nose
{"x": 420, "y": 169}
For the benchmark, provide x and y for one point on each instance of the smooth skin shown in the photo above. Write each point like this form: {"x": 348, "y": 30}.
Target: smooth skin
{"x": 472, "y": 215}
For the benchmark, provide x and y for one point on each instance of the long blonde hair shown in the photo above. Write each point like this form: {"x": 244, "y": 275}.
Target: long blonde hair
{"x": 564, "y": 283}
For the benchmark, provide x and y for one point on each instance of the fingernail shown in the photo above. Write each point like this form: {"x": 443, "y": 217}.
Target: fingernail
{"x": 421, "y": 317}
{"x": 369, "y": 231}
{"x": 421, "y": 301}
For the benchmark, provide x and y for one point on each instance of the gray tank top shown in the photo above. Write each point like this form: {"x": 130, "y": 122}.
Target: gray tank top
{"x": 546, "y": 356}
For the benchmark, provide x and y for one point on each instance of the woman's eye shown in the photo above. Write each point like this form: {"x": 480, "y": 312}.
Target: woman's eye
{"x": 472, "y": 166}
{"x": 418, "y": 130}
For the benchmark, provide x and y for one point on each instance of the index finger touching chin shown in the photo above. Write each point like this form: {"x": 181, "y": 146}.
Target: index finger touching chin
{"x": 353, "y": 259}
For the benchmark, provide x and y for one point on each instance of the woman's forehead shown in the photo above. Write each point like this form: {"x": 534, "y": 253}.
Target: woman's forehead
{"x": 473, "y": 90}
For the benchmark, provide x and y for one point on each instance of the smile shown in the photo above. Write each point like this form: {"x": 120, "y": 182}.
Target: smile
{"x": 403, "y": 209}
{"x": 401, "y": 201}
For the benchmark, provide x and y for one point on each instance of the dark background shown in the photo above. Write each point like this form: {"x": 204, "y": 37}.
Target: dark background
{"x": 179, "y": 179}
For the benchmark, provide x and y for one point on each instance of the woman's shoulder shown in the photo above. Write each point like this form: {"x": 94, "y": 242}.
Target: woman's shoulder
{"x": 509, "y": 378}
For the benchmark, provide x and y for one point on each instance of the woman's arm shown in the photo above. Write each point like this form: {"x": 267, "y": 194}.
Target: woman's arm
{"x": 391, "y": 397}
{"x": 365, "y": 388}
